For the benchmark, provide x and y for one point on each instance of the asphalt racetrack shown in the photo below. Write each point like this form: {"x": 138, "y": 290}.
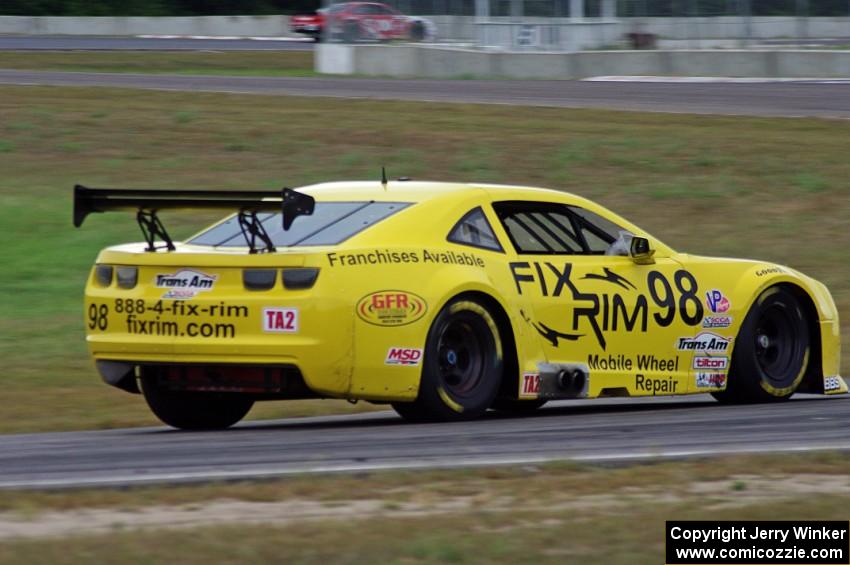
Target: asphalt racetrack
{"x": 597, "y": 430}
{"x": 791, "y": 99}
{"x": 92, "y": 43}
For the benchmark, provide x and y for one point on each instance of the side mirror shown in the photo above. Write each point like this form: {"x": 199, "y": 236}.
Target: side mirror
{"x": 641, "y": 252}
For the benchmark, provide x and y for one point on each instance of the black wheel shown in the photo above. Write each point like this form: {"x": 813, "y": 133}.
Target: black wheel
{"x": 771, "y": 355}
{"x": 195, "y": 410}
{"x": 462, "y": 368}
{"x": 514, "y": 406}
{"x": 417, "y": 31}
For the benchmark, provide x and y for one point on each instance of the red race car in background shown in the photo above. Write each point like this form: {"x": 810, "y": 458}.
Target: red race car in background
{"x": 357, "y": 21}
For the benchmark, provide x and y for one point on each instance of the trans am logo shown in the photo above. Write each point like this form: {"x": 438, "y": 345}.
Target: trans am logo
{"x": 705, "y": 341}
{"x": 185, "y": 283}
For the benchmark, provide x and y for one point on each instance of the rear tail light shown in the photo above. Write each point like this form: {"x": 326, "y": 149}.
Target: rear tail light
{"x": 126, "y": 277}
{"x": 103, "y": 275}
{"x": 259, "y": 279}
{"x": 299, "y": 278}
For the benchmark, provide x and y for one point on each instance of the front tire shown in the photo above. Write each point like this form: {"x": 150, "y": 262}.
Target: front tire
{"x": 771, "y": 355}
{"x": 195, "y": 410}
{"x": 351, "y": 32}
{"x": 462, "y": 369}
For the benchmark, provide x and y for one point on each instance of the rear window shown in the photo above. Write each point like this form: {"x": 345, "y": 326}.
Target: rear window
{"x": 331, "y": 223}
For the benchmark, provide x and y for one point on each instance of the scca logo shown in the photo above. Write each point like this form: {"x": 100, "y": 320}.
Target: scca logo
{"x": 391, "y": 308}
{"x": 403, "y": 356}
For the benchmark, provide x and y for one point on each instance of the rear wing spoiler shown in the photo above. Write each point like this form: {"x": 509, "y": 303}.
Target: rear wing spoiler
{"x": 148, "y": 202}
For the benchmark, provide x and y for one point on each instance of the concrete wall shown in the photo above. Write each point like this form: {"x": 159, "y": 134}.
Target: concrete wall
{"x": 247, "y": 26}
{"x": 734, "y": 28}
{"x": 448, "y": 27}
{"x": 432, "y": 62}
{"x": 464, "y": 28}
{"x": 575, "y": 36}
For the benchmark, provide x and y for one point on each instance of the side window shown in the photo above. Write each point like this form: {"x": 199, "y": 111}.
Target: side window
{"x": 598, "y": 232}
{"x": 555, "y": 229}
{"x": 474, "y": 230}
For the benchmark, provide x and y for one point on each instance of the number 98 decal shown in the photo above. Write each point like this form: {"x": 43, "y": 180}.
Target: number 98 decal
{"x": 98, "y": 317}
{"x": 687, "y": 289}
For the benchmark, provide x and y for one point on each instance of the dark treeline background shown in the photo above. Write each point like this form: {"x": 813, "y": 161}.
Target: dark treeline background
{"x": 154, "y": 7}
{"x": 462, "y": 7}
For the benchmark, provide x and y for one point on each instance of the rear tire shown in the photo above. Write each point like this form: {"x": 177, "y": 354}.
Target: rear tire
{"x": 351, "y": 32}
{"x": 462, "y": 369}
{"x": 771, "y": 355}
{"x": 417, "y": 31}
{"x": 195, "y": 410}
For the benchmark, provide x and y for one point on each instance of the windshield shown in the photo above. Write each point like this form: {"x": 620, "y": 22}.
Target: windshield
{"x": 331, "y": 223}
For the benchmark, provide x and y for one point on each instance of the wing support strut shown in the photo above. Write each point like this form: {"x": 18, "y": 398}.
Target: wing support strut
{"x": 252, "y": 230}
{"x": 152, "y": 229}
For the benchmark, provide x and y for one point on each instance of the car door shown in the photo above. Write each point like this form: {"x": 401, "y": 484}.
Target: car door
{"x": 376, "y": 21}
{"x": 621, "y": 320}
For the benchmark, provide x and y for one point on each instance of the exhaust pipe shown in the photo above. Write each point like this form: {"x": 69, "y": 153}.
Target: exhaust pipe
{"x": 571, "y": 381}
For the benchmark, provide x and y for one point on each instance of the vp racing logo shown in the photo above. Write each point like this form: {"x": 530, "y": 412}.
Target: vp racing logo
{"x": 185, "y": 283}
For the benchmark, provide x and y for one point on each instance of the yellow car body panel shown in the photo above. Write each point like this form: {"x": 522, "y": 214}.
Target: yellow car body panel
{"x": 667, "y": 327}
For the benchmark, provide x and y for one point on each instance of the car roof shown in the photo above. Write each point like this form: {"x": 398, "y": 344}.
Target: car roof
{"x": 421, "y": 191}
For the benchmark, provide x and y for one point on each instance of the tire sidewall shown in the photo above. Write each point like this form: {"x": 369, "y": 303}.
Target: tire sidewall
{"x": 748, "y": 379}
{"x": 417, "y": 31}
{"x": 195, "y": 410}
{"x": 440, "y": 399}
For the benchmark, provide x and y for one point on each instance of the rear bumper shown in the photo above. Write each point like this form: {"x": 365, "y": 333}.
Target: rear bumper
{"x": 229, "y": 373}
{"x": 259, "y": 381}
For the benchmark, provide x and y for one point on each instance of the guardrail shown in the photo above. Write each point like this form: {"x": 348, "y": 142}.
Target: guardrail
{"x": 434, "y": 62}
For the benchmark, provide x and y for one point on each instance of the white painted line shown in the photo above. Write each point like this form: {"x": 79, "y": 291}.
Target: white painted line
{"x": 724, "y": 80}
{"x": 145, "y": 478}
{"x": 229, "y": 37}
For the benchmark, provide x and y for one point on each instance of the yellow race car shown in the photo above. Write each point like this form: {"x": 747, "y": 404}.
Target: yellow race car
{"x": 444, "y": 300}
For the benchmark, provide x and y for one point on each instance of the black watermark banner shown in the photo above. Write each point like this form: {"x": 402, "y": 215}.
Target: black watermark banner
{"x": 760, "y": 543}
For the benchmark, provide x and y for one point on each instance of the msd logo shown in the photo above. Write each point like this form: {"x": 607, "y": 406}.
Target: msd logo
{"x": 403, "y": 356}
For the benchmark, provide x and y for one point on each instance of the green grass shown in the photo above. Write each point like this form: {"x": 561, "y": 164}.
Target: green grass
{"x": 729, "y": 186}
{"x": 552, "y": 513}
{"x": 248, "y": 63}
